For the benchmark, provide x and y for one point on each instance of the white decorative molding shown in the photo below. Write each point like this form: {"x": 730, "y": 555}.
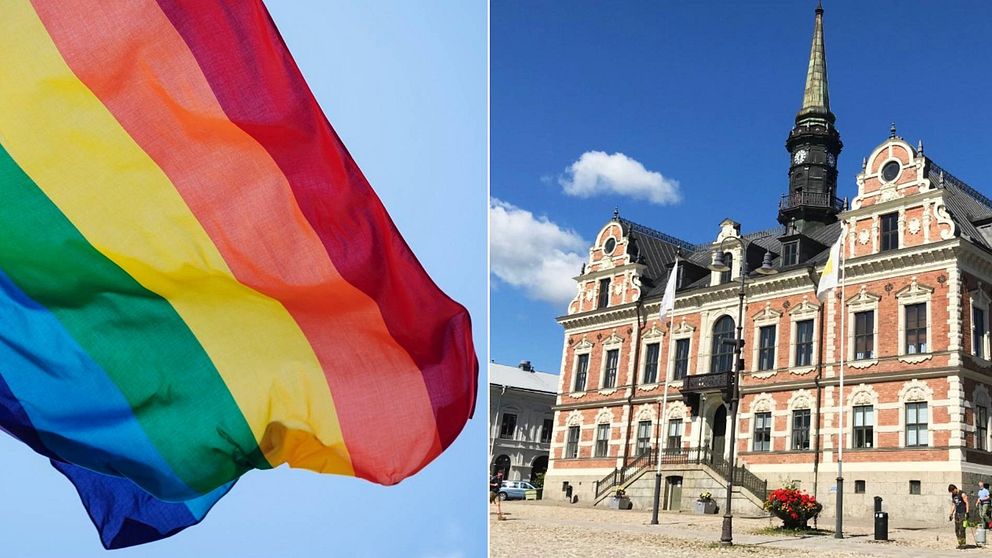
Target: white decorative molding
{"x": 915, "y": 359}
{"x": 862, "y": 394}
{"x": 801, "y": 399}
{"x": 574, "y": 418}
{"x": 583, "y": 344}
{"x": 944, "y": 218}
{"x": 654, "y": 332}
{"x": 677, "y": 410}
{"x": 915, "y": 290}
{"x": 604, "y": 416}
{"x": 683, "y": 328}
{"x": 767, "y": 314}
{"x": 646, "y": 412}
{"x": 609, "y": 391}
{"x": 914, "y": 226}
{"x": 915, "y": 390}
{"x": 802, "y": 371}
{"x": 613, "y": 339}
{"x": 764, "y": 375}
{"x": 577, "y": 394}
{"x": 804, "y": 309}
{"x": 862, "y": 364}
{"x": 863, "y": 236}
{"x": 762, "y": 403}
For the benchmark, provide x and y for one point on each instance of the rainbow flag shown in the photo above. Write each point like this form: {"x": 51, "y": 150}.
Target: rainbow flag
{"x": 196, "y": 280}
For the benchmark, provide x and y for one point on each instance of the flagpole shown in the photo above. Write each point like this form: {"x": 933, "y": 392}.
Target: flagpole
{"x": 663, "y": 419}
{"x": 839, "y": 527}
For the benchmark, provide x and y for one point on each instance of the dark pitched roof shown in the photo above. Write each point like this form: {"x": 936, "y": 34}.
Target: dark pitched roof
{"x": 970, "y": 210}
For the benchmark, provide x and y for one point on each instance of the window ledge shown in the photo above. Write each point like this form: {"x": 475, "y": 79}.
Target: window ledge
{"x": 801, "y": 370}
{"x": 863, "y": 363}
{"x": 764, "y": 374}
{"x": 648, "y": 387}
{"x": 979, "y": 361}
{"x": 577, "y": 394}
{"x": 915, "y": 359}
{"x": 607, "y": 391}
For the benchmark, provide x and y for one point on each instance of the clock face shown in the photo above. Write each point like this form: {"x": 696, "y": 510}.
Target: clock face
{"x": 831, "y": 160}
{"x": 800, "y": 156}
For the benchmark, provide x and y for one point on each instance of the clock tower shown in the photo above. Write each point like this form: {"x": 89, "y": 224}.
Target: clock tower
{"x": 813, "y": 146}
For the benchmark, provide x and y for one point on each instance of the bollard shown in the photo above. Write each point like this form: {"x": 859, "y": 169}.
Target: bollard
{"x": 881, "y": 521}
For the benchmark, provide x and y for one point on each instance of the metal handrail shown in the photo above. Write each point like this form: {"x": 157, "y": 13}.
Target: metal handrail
{"x": 810, "y": 199}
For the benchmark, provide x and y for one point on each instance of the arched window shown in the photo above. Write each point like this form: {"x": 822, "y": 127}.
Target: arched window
{"x": 728, "y": 259}
{"x": 723, "y": 347}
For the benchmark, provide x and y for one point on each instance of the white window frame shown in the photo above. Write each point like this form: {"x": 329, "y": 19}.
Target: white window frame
{"x": 801, "y": 312}
{"x": 767, "y": 317}
{"x": 654, "y": 335}
{"x": 583, "y": 348}
{"x": 861, "y": 396}
{"x": 762, "y": 403}
{"x": 679, "y": 332}
{"x": 980, "y": 300}
{"x": 914, "y": 293}
{"x": 915, "y": 391}
{"x": 862, "y": 302}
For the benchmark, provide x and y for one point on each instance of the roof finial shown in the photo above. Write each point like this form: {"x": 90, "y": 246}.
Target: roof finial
{"x": 919, "y": 147}
{"x": 864, "y": 163}
{"x": 819, "y": 7}
{"x": 892, "y": 131}
{"x": 815, "y": 96}
{"x": 616, "y": 213}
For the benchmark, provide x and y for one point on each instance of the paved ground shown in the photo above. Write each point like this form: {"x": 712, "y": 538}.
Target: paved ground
{"x": 545, "y": 529}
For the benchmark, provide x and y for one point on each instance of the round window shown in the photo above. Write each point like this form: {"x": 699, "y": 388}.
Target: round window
{"x": 611, "y": 243}
{"x": 890, "y": 171}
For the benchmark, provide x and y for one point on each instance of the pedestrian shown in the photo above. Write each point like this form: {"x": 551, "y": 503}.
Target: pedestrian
{"x": 983, "y": 502}
{"x": 959, "y": 513}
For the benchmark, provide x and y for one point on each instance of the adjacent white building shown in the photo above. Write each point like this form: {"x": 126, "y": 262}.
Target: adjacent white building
{"x": 520, "y": 419}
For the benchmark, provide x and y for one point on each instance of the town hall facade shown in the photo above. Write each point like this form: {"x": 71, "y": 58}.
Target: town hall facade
{"x": 914, "y": 415}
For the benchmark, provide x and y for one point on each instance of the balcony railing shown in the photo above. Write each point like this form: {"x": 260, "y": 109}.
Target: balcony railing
{"x": 810, "y": 199}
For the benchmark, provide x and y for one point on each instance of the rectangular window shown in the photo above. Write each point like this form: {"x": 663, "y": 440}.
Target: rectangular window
{"x": 610, "y": 373}
{"x": 859, "y": 487}
{"x": 914, "y": 487}
{"x": 864, "y": 335}
{"x": 651, "y": 363}
{"x": 604, "y": 293}
{"x": 889, "y": 236}
{"x": 766, "y": 348}
{"x": 916, "y": 328}
{"x": 762, "y": 432}
{"x": 864, "y": 426}
{"x": 643, "y": 437}
{"x": 800, "y": 429}
{"x": 546, "y": 430}
{"x": 804, "y": 343}
{"x": 978, "y": 332}
{"x": 790, "y": 253}
{"x": 581, "y": 372}
{"x": 681, "y": 358}
{"x": 674, "y": 442}
{"x": 728, "y": 260}
{"x": 572, "y": 446}
{"x": 509, "y": 426}
{"x": 981, "y": 427}
{"x": 916, "y": 424}
{"x": 602, "y": 439}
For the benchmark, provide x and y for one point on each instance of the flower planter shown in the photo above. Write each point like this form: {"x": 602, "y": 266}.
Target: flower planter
{"x": 622, "y": 503}
{"x": 704, "y": 507}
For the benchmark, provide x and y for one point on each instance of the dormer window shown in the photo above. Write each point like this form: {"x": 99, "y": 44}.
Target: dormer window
{"x": 790, "y": 253}
{"x": 604, "y": 293}
{"x": 728, "y": 259}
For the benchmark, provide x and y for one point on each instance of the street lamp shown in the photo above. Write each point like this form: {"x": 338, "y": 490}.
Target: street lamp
{"x": 718, "y": 265}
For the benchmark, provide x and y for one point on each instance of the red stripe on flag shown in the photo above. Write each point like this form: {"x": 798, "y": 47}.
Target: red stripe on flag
{"x": 261, "y": 90}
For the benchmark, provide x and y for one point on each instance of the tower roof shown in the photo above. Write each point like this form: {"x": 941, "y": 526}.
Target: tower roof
{"x": 816, "y": 99}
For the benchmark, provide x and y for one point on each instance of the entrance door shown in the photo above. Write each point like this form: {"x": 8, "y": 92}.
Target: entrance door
{"x": 720, "y": 430}
{"x": 673, "y": 493}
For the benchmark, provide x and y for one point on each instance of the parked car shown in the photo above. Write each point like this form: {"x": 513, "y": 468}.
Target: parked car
{"x": 515, "y": 490}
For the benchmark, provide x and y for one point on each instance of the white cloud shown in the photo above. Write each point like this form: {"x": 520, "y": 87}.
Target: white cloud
{"x": 597, "y": 172}
{"x": 533, "y": 253}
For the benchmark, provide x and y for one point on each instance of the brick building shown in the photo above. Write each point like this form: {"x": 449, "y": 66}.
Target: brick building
{"x": 915, "y": 407}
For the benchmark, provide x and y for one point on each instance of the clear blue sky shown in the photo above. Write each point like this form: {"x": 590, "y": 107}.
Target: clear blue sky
{"x": 704, "y": 94}
{"x": 404, "y": 84}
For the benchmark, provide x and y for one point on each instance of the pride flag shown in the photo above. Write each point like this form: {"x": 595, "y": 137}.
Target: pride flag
{"x": 196, "y": 280}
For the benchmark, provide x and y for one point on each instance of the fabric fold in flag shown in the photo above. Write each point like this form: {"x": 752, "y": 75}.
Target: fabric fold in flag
{"x": 196, "y": 280}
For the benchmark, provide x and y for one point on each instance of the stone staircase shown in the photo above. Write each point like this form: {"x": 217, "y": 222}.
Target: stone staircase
{"x": 701, "y": 470}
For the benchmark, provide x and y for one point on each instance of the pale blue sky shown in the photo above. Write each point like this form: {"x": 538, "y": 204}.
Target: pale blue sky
{"x": 404, "y": 84}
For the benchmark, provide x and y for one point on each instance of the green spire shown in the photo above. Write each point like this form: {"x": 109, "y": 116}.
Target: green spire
{"x": 816, "y": 100}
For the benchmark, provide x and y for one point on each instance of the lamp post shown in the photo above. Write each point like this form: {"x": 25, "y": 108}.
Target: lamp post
{"x": 727, "y": 535}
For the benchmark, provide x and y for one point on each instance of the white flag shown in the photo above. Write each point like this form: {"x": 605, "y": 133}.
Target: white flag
{"x": 668, "y": 301}
{"x": 831, "y": 271}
